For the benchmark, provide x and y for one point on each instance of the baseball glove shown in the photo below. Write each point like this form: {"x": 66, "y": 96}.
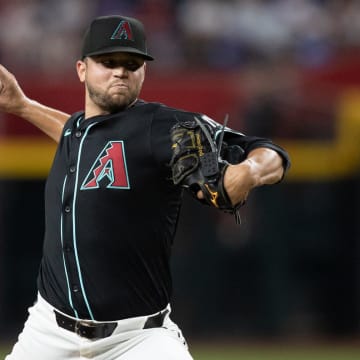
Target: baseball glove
{"x": 200, "y": 158}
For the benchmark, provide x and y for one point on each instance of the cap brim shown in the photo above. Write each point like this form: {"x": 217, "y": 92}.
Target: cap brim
{"x": 116, "y": 49}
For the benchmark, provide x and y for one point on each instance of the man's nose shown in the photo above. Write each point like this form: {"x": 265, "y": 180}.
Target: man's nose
{"x": 120, "y": 71}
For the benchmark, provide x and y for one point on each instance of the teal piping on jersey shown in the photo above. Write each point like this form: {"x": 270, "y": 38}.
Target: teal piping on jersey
{"x": 79, "y": 121}
{"x": 74, "y": 224}
{"x": 62, "y": 247}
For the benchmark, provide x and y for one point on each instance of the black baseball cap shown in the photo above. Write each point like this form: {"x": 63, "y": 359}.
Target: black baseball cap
{"x": 115, "y": 33}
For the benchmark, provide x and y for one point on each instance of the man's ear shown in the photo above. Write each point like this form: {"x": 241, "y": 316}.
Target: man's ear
{"x": 81, "y": 69}
{"x": 144, "y": 73}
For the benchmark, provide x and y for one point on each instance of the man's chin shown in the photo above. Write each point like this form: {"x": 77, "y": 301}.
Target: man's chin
{"x": 119, "y": 103}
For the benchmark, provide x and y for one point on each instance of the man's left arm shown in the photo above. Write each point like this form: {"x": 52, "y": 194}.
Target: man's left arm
{"x": 263, "y": 166}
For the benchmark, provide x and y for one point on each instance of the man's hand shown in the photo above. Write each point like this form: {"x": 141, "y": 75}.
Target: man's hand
{"x": 12, "y": 98}
{"x": 14, "y": 101}
{"x": 238, "y": 181}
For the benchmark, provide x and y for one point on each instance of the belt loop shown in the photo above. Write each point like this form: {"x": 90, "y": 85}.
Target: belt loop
{"x": 156, "y": 320}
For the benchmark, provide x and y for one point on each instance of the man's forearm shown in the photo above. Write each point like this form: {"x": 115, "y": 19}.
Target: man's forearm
{"x": 266, "y": 166}
{"x": 47, "y": 119}
{"x": 262, "y": 166}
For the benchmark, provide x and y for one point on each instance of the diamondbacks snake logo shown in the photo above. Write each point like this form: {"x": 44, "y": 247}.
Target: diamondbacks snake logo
{"x": 109, "y": 169}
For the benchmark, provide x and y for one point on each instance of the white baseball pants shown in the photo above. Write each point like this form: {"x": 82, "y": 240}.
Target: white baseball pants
{"x": 43, "y": 339}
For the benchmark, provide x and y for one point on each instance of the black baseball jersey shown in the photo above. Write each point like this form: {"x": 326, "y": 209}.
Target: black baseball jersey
{"x": 111, "y": 212}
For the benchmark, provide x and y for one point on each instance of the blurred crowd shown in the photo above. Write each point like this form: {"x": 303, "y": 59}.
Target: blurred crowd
{"x": 45, "y": 35}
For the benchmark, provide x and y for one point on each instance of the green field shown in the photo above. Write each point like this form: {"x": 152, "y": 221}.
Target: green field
{"x": 3, "y": 351}
{"x": 267, "y": 352}
{"x": 276, "y": 352}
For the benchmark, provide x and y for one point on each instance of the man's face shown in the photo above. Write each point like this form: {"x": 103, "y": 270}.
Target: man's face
{"x": 113, "y": 81}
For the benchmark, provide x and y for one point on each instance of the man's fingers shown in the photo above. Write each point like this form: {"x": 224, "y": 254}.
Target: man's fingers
{"x": 200, "y": 194}
{"x": 3, "y": 72}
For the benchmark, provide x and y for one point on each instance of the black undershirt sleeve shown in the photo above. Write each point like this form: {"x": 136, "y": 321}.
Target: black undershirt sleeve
{"x": 249, "y": 143}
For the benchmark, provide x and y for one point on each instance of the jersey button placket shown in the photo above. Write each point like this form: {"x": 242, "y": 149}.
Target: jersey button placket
{"x": 69, "y": 252}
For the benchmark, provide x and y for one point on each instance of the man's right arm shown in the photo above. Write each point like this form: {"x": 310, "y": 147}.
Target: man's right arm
{"x": 14, "y": 101}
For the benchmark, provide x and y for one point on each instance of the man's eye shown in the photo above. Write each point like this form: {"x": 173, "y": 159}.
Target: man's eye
{"x": 128, "y": 65}
{"x": 132, "y": 66}
{"x": 108, "y": 63}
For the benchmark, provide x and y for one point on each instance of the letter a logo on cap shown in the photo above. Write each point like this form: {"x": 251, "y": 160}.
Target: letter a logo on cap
{"x": 123, "y": 31}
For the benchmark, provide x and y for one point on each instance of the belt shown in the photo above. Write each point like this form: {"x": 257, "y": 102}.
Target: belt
{"x": 98, "y": 330}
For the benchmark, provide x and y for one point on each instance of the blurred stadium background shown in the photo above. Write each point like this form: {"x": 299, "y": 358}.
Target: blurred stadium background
{"x": 286, "y": 69}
